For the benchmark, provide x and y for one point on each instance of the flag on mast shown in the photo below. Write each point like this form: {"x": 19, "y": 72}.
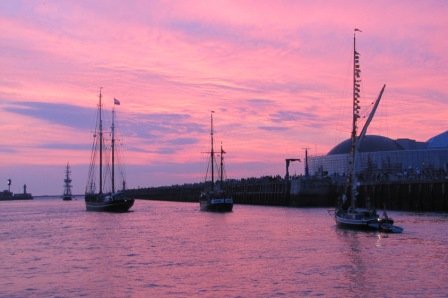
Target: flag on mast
{"x": 116, "y": 102}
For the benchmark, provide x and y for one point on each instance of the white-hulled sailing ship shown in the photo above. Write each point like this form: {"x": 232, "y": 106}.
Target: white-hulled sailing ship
{"x": 215, "y": 198}
{"x": 349, "y": 215}
{"x": 101, "y": 200}
{"x": 67, "y": 196}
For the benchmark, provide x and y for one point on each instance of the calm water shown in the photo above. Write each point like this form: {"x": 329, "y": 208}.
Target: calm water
{"x": 164, "y": 249}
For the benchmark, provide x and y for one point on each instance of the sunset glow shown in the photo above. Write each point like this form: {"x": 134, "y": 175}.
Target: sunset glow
{"x": 277, "y": 73}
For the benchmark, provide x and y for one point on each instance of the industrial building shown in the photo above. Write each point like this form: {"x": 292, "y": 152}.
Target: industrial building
{"x": 383, "y": 158}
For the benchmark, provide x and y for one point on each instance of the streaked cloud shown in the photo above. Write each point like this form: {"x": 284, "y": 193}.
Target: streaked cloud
{"x": 274, "y": 128}
{"x": 55, "y": 113}
{"x": 291, "y": 116}
{"x": 277, "y": 73}
{"x": 260, "y": 102}
{"x": 62, "y": 146}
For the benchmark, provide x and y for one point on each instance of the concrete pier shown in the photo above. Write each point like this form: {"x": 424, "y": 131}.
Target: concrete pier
{"x": 417, "y": 195}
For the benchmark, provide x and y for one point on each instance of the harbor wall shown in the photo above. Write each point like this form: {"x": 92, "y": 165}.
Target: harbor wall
{"x": 420, "y": 196}
{"x": 176, "y": 193}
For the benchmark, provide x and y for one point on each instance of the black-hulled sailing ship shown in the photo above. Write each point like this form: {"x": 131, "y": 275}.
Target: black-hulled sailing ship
{"x": 67, "y": 196}
{"x": 215, "y": 198}
{"x": 102, "y": 200}
{"x": 348, "y": 214}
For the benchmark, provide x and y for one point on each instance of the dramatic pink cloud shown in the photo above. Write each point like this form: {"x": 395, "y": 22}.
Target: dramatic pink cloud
{"x": 277, "y": 73}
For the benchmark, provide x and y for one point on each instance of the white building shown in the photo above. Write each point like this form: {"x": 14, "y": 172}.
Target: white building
{"x": 383, "y": 156}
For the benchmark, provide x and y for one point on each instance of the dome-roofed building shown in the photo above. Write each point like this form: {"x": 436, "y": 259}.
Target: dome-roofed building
{"x": 381, "y": 155}
{"x": 370, "y": 143}
{"x": 439, "y": 141}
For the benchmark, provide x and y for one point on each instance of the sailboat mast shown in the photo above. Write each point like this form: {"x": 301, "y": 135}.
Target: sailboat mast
{"x": 113, "y": 149}
{"x": 67, "y": 181}
{"x": 356, "y": 107}
{"x": 101, "y": 146}
{"x": 212, "y": 152}
{"x": 222, "y": 166}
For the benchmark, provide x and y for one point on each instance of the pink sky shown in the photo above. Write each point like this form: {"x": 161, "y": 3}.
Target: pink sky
{"x": 277, "y": 73}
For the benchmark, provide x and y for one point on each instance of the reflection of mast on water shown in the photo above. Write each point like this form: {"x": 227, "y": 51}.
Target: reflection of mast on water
{"x": 356, "y": 274}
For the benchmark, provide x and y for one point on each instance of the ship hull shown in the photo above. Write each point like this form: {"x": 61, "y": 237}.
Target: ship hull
{"x": 355, "y": 224}
{"x": 67, "y": 198}
{"x": 101, "y": 203}
{"x": 366, "y": 222}
{"x": 216, "y": 204}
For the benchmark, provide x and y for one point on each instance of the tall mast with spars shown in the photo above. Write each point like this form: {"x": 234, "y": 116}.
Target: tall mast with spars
{"x": 113, "y": 149}
{"x": 356, "y": 107}
{"x": 67, "y": 181}
{"x": 222, "y": 167}
{"x": 101, "y": 144}
{"x": 212, "y": 152}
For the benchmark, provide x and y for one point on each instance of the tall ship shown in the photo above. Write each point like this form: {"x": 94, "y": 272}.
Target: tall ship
{"x": 347, "y": 213}
{"x": 104, "y": 200}
{"x": 215, "y": 198}
{"x": 67, "y": 196}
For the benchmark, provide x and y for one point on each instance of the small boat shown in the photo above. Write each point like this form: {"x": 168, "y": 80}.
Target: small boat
{"x": 365, "y": 219}
{"x": 67, "y": 196}
{"x": 215, "y": 199}
{"x": 112, "y": 200}
{"x": 349, "y": 215}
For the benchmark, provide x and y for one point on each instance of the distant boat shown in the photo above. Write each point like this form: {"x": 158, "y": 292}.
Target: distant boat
{"x": 67, "y": 196}
{"x": 106, "y": 201}
{"x": 7, "y": 195}
{"x": 350, "y": 216}
{"x": 215, "y": 198}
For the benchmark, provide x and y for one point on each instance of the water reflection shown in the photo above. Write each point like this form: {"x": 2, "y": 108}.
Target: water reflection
{"x": 365, "y": 275}
{"x": 166, "y": 249}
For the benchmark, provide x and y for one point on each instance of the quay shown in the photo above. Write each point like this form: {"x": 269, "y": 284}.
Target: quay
{"x": 419, "y": 195}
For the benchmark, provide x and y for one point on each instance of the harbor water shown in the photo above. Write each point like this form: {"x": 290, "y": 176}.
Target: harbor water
{"x": 54, "y": 248}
